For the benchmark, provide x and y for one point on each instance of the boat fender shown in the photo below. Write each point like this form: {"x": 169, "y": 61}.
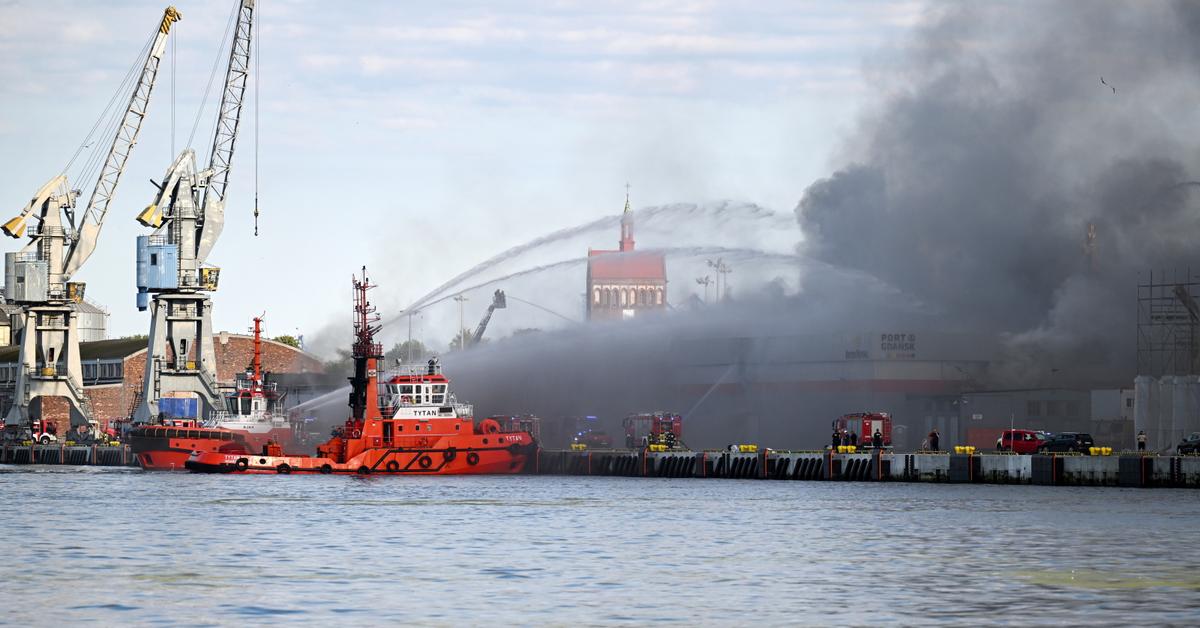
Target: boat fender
{"x": 326, "y": 469}
{"x": 393, "y": 466}
{"x": 472, "y": 458}
{"x": 425, "y": 461}
{"x": 356, "y": 434}
{"x": 283, "y": 468}
{"x": 364, "y": 470}
{"x": 449, "y": 454}
{"x": 241, "y": 464}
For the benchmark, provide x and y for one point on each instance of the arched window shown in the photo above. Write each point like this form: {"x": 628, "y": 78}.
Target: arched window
{"x": 595, "y": 296}
{"x": 622, "y": 293}
{"x": 658, "y": 296}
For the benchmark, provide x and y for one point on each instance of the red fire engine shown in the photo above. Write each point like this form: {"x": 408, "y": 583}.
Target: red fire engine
{"x": 864, "y": 425}
{"x": 659, "y": 428}
{"x": 525, "y": 423}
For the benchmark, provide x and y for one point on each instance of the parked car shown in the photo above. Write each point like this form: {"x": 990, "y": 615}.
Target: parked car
{"x": 1067, "y": 441}
{"x": 1020, "y": 441}
{"x": 1189, "y": 445}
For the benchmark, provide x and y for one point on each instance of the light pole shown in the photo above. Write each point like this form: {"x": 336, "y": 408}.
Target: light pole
{"x": 462, "y": 336}
{"x": 704, "y": 281}
{"x": 721, "y": 268}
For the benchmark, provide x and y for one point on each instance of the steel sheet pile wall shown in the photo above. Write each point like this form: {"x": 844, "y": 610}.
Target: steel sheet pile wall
{"x": 1051, "y": 470}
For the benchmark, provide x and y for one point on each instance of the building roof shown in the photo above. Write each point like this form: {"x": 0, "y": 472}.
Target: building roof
{"x": 114, "y": 348}
{"x": 614, "y": 265}
{"x": 121, "y": 348}
{"x": 96, "y": 350}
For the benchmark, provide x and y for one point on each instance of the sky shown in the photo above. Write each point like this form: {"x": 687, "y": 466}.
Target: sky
{"x": 419, "y": 139}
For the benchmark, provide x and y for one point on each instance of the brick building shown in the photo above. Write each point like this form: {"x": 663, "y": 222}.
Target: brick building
{"x": 113, "y": 372}
{"x": 624, "y": 282}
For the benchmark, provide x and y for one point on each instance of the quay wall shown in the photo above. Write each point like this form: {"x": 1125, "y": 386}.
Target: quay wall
{"x": 1129, "y": 470}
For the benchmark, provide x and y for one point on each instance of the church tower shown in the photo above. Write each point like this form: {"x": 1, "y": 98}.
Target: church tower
{"x": 627, "y": 225}
{"x": 624, "y": 282}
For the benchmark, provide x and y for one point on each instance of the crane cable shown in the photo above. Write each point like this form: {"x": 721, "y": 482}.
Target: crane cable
{"x": 106, "y": 123}
{"x": 107, "y": 112}
{"x": 257, "y": 97}
{"x": 213, "y": 74}
{"x": 174, "y": 56}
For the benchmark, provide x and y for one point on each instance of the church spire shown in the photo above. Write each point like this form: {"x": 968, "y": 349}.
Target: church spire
{"x": 627, "y": 224}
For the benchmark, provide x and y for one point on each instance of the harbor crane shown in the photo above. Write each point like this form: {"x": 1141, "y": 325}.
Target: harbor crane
{"x": 38, "y": 277}
{"x": 173, "y": 280}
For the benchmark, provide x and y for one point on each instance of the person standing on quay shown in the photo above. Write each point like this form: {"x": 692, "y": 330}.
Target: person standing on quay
{"x": 934, "y": 436}
{"x": 1141, "y": 440}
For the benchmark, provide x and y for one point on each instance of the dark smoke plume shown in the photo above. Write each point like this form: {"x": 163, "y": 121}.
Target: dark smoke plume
{"x": 963, "y": 206}
{"x": 995, "y": 145}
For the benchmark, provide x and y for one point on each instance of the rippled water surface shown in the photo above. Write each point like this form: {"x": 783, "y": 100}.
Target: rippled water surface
{"x": 125, "y": 546}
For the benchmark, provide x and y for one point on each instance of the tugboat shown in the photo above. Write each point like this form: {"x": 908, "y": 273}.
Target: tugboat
{"x": 409, "y": 424}
{"x": 249, "y": 421}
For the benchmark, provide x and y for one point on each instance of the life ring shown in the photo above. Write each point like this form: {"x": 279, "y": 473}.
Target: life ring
{"x": 424, "y": 462}
{"x": 405, "y": 399}
{"x": 283, "y": 468}
{"x": 393, "y": 466}
{"x": 241, "y": 464}
{"x": 450, "y": 454}
{"x": 326, "y": 469}
{"x": 356, "y": 434}
{"x": 472, "y": 458}
{"x": 489, "y": 426}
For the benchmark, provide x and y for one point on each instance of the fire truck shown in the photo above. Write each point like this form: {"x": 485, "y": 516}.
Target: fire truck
{"x": 525, "y": 423}
{"x": 864, "y": 425}
{"x": 44, "y": 432}
{"x": 658, "y": 428}
{"x": 589, "y": 434}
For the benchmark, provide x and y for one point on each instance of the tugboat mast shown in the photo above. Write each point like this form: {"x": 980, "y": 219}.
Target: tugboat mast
{"x": 366, "y": 352}
{"x": 256, "y": 385}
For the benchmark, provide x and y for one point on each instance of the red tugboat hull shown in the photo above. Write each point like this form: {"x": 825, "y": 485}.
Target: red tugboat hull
{"x": 167, "y": 448}
{"x": 502, "y": 454}
{"x": 249, "y": 424}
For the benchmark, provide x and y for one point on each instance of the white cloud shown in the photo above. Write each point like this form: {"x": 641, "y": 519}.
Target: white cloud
{"x": 82, "y": 32}
{"x": 468, "y": 32}
{"x": 425, "y": 67}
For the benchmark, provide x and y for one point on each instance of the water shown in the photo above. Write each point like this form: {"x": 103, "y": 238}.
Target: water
{"x": 109, "y": 546}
